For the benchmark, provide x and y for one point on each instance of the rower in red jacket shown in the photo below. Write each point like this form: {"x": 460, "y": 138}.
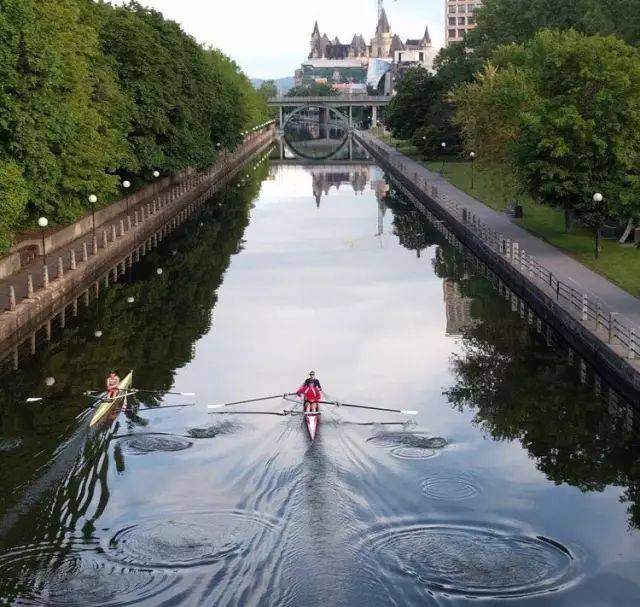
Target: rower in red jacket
{"x": 311, "y": 390}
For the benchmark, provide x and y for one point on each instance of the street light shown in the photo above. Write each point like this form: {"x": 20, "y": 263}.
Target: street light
{"x": 443, "y": 145}
{"x": 472, "y": 155}
{"x": 598, "y": 198}
{"x": 93, "y": 199}
{"x": 126, "y": 185}
{"x": 43, "y": 222}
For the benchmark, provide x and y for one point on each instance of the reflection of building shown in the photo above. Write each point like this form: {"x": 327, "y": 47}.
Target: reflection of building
{"x": 460, "y": 18}
{"x": 323, "y": 179}
{"x": 348, "y": 67}
{"x": 457, "y": 308}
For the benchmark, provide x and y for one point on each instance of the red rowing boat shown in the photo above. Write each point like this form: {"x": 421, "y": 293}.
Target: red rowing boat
{"x": 312, "y": 420}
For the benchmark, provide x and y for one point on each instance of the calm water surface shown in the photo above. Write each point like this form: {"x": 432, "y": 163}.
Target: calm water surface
{"x": 518, "y": 483}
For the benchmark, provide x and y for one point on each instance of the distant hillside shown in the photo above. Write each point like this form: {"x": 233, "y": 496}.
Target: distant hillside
{"x": 284, "y": 84}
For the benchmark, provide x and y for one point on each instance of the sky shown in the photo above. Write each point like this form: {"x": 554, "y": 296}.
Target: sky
{"x": 270, "y": 38}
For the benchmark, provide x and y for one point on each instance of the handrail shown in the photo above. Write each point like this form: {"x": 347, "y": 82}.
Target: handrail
{"x": 585, "y": 308}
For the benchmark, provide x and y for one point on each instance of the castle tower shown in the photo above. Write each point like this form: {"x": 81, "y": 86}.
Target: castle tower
{"x": 381, "y": 42}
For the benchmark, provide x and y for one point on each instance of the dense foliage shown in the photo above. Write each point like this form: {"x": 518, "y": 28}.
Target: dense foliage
{"x": 313, "y": 89}
{"x": 91, "y": 94}
{"x": 564, "y": 111}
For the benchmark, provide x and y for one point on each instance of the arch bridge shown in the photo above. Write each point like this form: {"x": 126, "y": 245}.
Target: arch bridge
{"x": 342, "y": 105}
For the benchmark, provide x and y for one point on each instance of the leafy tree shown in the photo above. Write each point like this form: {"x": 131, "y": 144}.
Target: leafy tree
{"x": 13, "y": 200}
{"x": 314, "y": 89}
{"x": 583, "y": 135}
{"x": 508, "y": 21}
{"x": 409, "y": 109}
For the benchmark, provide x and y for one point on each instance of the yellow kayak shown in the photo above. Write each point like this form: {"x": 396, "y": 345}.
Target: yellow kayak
{"x": 106, "y": 404}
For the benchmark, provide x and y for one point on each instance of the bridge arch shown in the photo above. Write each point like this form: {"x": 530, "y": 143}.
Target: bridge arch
{"x": 326, "y": 106}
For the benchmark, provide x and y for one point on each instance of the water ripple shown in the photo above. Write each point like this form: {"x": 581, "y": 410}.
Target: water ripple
{"x": 57, "y": 576}
{"x": 149, "y": 443}
{"x": 474, "y": 561}
{"x": 9, "y": 444}
{"x": 451, "y": 486}
{"x": 190, "y": 540}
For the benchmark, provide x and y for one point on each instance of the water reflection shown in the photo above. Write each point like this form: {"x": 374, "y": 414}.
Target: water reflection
{"x": 170, "y": 505}
{"x": 317, "y": 133}
{"x": 521, "y": 389}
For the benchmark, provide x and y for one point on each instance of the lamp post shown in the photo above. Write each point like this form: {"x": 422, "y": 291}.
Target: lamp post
{"x": 126, "y": 185}
{"x": 92, "y": 200}
{"x": 443, "y": 145}
{"x": 472, "y": 155}
{"x": 155, "y": 174}
{"x": 598, "y": 198}
{"x": 43, "y": 222}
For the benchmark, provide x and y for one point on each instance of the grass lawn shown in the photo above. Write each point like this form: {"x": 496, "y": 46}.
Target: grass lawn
{"x": 620, "y": 264}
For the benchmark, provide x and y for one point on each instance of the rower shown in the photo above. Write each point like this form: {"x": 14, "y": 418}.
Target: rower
{"x": 311, "y": 390}
{"x": 113, "y": 383}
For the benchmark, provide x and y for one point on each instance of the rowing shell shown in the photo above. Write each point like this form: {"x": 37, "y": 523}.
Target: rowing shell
{"x": 106, "y": 404}
{"x": 312, "y": 422}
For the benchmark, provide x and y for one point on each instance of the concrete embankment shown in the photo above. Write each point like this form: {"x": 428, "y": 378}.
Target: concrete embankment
{"x": 587, "y": 317}
{"x": 39, "y": 293}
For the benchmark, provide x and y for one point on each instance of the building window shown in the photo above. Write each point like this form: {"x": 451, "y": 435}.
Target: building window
{"x": 461, "y": 20}
{"x": 452, "y": 20}
{"x": 462, "y": 9}
{"x": 471, "y": 20}
{"x": 470, "y": 8}
{"x": 452, "y": 9}
{"x": 399, "y": 57}
{"x": 421, "y": 57}
{"x": 461, "y": 33}
{"x": 452, "y": 33}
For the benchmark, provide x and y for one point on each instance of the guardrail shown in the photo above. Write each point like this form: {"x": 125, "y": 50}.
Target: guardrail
{"x": 586, "y": 308}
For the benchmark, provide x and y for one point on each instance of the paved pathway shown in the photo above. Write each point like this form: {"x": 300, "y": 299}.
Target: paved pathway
{"x": 562, "y": 265}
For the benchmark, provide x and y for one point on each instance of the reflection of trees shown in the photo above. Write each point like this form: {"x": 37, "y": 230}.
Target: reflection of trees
{"x": 409, "y": 225}
{"x": 154, "y": 336}
{"x": 520, "y": 389}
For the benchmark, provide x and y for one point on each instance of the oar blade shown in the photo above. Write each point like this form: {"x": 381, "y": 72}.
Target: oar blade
{"x": 35, "y": 399}
{"x": 409, "y": 412}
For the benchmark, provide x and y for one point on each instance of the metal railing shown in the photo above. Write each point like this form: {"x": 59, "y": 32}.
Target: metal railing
{"x": 588, "y": 309}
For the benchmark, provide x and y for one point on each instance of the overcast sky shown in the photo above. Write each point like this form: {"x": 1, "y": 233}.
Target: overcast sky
{"x": 270, "y": 38}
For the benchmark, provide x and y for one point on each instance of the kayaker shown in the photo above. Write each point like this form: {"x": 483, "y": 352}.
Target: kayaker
{"x": 113, "y": 381}
{"x": 311, "y": 390}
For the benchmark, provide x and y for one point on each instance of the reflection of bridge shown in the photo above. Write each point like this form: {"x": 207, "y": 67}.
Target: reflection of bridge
{"x": 293, "y": 105}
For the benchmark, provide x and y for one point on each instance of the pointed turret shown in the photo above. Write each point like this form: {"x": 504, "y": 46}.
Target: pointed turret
{"x": 383, "y": 24}
{"x": 426, "y": 39}
{"x": 396, "y": 45}
{"x": 316, "y": 31}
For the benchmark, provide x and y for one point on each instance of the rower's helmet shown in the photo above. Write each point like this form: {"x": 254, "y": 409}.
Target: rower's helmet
{"x": 312, "y": 373}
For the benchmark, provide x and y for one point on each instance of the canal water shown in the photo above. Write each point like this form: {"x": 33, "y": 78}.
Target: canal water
{"x": 518, "y": 482}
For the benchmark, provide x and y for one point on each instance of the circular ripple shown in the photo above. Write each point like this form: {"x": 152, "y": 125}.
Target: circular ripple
{"x": 408, "y": 439}
{"x": 190, "y": 540}
{"x": 10, "y": 444}
{"x": 64, "y": 577}
{"x": 475, "y": 562}
{"x": 413, "y": 453}
{"x": 213, "y": 431}
{"x": 449, "y": 486}
{"x": 140, "y": 445}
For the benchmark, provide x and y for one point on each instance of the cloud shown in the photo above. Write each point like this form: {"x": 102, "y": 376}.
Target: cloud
{"x": 269, "y": 39}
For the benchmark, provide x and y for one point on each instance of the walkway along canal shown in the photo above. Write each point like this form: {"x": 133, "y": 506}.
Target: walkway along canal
{"x": 518, "y": 484}
{"x": 588, "y": 316}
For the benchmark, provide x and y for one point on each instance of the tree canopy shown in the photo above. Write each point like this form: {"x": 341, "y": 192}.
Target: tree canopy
{"x": 564, "y": 111}
{"x": 91, "y": 93}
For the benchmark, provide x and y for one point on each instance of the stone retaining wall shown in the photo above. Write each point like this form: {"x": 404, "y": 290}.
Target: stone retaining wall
{"x": 120, "y": 242}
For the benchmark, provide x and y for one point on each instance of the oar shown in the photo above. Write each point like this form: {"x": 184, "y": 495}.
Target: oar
{"x": 251, "y": 400}
{"x": 284, "y": 413}
{"x": 156, "y": 391}
{"x": 338, "y": 404}
{"x": 167, "y": 407}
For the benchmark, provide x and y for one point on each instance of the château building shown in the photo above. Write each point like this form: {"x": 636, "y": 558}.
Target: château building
{"x": 354, "y": 66}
